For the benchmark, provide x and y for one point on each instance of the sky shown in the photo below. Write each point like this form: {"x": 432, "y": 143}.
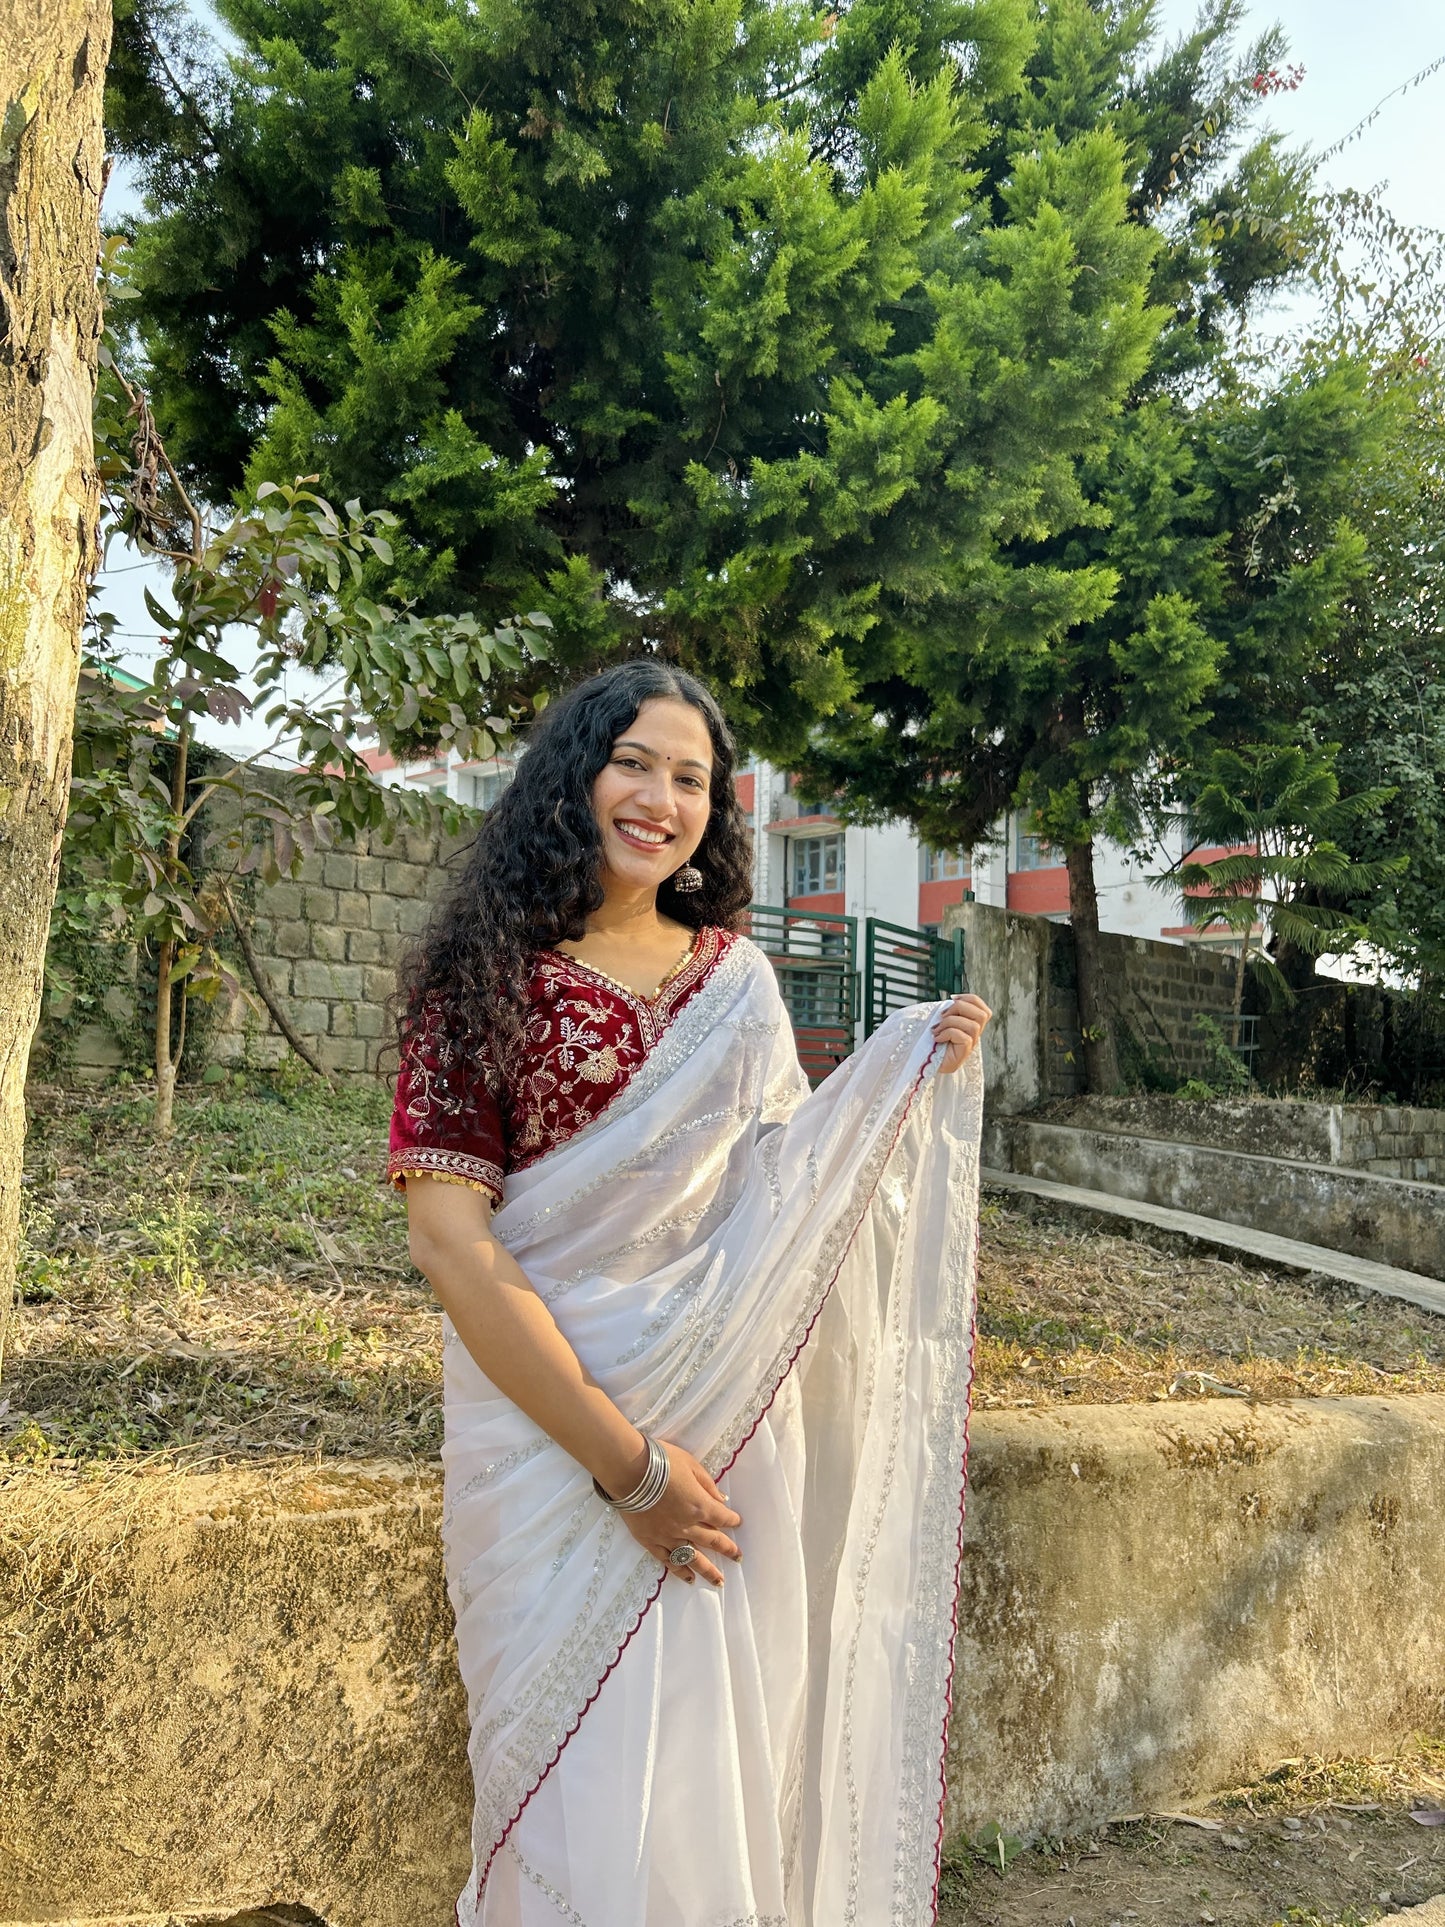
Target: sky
{"x": 1353, "y": 56}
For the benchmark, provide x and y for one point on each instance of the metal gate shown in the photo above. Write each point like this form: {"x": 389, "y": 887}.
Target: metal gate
{"x": 903, "y": 966}
{"x": 815, "y": 956}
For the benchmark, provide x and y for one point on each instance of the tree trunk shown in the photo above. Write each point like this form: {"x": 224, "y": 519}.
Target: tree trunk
{"x": 1101, "y": 1058}
{"x": 52, "y": 71}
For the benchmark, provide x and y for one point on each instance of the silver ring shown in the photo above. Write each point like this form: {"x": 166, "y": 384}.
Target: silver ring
{"x": 682, "y": 1555}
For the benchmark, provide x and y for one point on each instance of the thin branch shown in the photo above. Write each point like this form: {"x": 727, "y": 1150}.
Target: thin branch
{"x": 263, "y": 984}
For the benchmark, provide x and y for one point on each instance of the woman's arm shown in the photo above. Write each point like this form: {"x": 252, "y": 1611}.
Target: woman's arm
{"x": 517, "y": 1343}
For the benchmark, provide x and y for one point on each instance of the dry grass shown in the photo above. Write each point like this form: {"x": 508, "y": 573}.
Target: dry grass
{"x": 1069, "y": 1313}
{"x": 246, "y": 1291}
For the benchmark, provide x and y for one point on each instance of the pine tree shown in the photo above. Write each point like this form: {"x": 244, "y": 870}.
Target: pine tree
{"x": 1203, "y": 557}
{"x": 705, "y": 326}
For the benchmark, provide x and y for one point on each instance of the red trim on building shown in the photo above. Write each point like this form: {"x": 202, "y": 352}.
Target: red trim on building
{"x": 1039, "y": 893}
{"x": 934, "y": 898}
{"x": 821, "y": 900}
{"x": 744, "y": 788}
{"x": 792, "y": 825}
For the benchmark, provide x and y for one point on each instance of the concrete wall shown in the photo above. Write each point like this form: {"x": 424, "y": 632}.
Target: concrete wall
{"x": 1024, "y": 967}
{"x": 1390, "y": 1140}
{"x": 238, "y": 1687}
{"x": 1395, "y": 1222}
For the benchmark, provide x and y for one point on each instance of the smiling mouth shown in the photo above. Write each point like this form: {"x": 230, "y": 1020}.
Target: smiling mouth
{"x": 642, "y": 837}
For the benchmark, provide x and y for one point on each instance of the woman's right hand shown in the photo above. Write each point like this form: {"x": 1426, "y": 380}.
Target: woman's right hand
{"x": 691, "y": 1511}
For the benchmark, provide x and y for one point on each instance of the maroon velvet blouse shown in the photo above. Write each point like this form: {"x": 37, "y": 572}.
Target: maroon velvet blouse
{"x": 585, "y": 1036}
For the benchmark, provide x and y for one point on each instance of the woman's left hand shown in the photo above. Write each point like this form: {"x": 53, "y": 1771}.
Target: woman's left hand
{"x": 959, "y": 1029}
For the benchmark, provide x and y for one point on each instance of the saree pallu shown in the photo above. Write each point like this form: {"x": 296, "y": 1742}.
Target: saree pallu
{"x": 783, "y": 1283}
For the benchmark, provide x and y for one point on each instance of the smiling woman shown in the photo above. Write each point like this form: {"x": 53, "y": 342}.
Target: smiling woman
{"x": 662, "y": 1262}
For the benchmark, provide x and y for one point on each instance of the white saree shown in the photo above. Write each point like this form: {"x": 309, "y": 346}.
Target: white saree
{"x": 782, "y": 1282}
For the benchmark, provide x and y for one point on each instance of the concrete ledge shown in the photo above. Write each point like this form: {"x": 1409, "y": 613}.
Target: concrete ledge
{"x": 1290, "y": 1253}
{"x": 238, "y": 1688}
{"x": 1388, "y": 1219}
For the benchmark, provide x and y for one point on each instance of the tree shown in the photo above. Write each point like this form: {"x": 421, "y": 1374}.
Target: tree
{"x": 289, "y": 571}
{"x": 1207, "y": 554}
{"x": 52, "y": 62}
{"x": 1276, "y": 812}
{"x": 692, "y": 326}
{"x": 1377, "y": 688}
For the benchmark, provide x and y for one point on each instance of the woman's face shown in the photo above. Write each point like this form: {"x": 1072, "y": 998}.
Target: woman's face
{"x": 651, "y": 798}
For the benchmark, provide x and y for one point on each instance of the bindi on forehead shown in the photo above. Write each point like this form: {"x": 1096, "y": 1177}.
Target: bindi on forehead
{"x": 688, "y": 762}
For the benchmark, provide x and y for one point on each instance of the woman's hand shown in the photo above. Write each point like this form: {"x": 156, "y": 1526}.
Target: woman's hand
{"x": 690, "y": 1512}
{"x": 959, "y": 1029}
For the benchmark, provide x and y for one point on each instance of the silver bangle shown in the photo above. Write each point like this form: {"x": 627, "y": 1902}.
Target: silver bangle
{"x": 649, "y": 1488}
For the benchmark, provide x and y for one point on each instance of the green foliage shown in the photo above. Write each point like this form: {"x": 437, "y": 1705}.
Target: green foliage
{"x": 1277, "y": 814}
{"x": 995, "y": 1848}
{"x": 761, "y": 334}
{"x": 1206, "y": 551}
{"x": 249, "y": 1292}
{"x": 297, "y": 574}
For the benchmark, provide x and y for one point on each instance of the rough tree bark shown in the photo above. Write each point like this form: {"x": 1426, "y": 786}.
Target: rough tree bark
{"x": 52, "y": 71}
{"x": 1101, "y": 1057}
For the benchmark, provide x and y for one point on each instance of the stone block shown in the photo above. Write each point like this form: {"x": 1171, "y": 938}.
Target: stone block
{"x": 328, "y": 942}
{"x": 311, "y": 978}
{"x": 385, "y": 912}
{"x": 377, "y": 983}
{"x": 293, "y": 940}
{"x": 342, "y": 1053}
{"x": 311, "y": 1017}
{"x": 338, "y": 871}
{"x": 420, "y": 845}
{"x": 281, "y": 899}
{"x": 394, "y": 946}
{"x": 405, "y": 879}
{"x": 413, "y": 915}
{"x": 353, "y": 909}
{"x": 319, "y": 905}
{"x": 363, "y": 946}
{"x": 369, "y": 1020}
{"x": 310, "y": 869}
{"x": 370, "y": 873}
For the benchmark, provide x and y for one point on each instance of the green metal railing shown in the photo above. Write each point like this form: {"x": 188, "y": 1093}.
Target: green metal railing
{"x": 815, "y": 956}
{"x": 903, "y": 966}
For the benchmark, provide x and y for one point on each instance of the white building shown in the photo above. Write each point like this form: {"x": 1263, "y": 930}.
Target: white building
{"x": 810, "y": 860}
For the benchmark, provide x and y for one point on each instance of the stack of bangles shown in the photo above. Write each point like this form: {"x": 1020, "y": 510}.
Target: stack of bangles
{"x": 646, "y": 1493}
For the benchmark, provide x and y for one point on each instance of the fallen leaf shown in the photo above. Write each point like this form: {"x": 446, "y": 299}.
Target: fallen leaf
{"x": 1193, "y": 1820}
{"x": 1429, "y": 1816}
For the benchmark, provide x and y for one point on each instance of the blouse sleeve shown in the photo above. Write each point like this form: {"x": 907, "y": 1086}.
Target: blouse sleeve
{"x": 429, "y": 1137}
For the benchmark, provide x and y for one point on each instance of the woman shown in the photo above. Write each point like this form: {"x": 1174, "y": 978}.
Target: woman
{"x": 698, "y": 1324}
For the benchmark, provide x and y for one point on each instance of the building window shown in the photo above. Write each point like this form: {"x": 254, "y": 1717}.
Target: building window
{"x": 481, "y": 788}
{"x": 817, "y": 865}
{"x": 1032, "y": 852}
{"x": 944, "y": 866}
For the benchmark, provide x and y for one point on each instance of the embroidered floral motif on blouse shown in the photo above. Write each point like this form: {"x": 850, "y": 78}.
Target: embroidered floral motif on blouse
{"x": 585, "y": 1036}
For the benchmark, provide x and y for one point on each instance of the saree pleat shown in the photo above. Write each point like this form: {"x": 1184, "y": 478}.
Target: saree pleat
{"x": 782, "y": 1282}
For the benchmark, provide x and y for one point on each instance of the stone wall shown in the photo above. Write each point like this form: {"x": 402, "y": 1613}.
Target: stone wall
{"x": 238, "y": 1687}
{"x": 1387, "y": 1140}
{"x": 330, "y": 942}
{"x": 1025, "y": 968}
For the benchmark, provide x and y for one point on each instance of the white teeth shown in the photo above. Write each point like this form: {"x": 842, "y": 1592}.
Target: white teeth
{"x": 644, "y": 836}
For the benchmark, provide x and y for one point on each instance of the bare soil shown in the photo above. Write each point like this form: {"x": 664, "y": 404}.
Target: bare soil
{"x": 1312, "y": 1845}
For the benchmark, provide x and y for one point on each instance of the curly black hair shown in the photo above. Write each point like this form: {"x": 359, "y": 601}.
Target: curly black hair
{"x": 531, "y": 879}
